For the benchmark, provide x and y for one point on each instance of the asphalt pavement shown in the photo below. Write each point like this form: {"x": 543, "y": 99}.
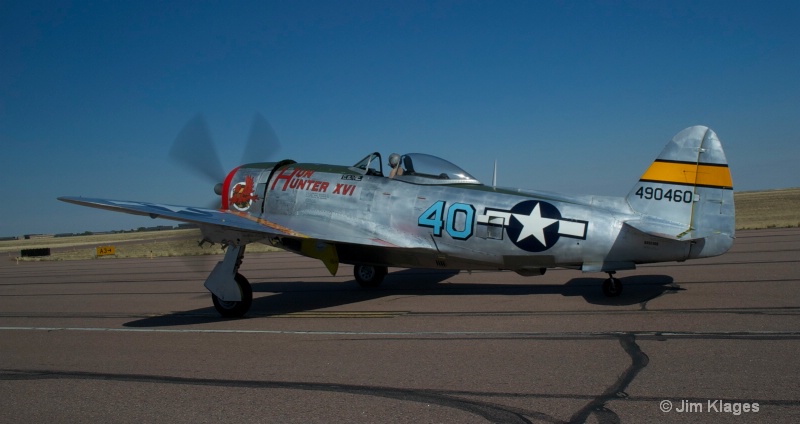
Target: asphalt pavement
{"x": 138, "y": 340}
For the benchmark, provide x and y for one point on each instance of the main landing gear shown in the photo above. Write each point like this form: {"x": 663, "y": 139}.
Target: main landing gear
{"x": 233, "y": 308}
{"x": 612, "y": 287}
{"x": 231, "y": 293}
{"x": 369, "y": 276}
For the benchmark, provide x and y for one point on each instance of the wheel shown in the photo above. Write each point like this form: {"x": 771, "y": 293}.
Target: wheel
{"x": 233, "y": 309}
{"x": 612, "y": 287}
{"x": 369, "y": 276}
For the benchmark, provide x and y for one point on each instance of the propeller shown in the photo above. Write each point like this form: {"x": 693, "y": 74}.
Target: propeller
{"x": 194, "y": 149}
{"x": 262, "y": 143}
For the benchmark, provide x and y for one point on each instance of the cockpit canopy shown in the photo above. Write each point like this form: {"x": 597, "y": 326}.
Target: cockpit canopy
{"x": 418, "y": 168}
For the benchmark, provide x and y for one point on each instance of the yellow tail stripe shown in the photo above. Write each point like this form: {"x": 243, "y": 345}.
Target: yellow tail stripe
{"x": 690, "y": 174}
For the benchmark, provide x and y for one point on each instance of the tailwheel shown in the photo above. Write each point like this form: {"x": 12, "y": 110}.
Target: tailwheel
{"x": 369, "y": 275}
{"x": 612, "y": 287}
{"x": 235, "y": 309}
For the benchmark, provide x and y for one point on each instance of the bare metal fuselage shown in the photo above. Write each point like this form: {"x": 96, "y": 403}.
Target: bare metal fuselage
{"x": 453, "y": 226}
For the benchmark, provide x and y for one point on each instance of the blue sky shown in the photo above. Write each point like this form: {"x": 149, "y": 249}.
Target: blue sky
{"x": 568, "y": 96}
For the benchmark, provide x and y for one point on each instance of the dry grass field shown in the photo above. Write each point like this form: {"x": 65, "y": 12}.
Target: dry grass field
{"x": 767, "y": 209}
{"x": 128, "y": 245}
{"x": 754, "y": 210}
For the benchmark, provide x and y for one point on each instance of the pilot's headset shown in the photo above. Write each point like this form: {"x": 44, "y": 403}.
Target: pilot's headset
{"x": 394, "y": 160}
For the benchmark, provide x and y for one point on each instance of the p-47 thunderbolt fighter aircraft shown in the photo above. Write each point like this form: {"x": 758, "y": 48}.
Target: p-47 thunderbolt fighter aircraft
{"x": 433, "y": 214}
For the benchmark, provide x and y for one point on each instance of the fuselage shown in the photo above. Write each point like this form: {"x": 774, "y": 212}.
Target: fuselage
{"x": 446, "y": 225}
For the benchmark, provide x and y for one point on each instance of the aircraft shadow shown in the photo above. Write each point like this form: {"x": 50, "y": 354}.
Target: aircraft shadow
{"x": 637, "y": 289}
{"x": 304, "y": 296}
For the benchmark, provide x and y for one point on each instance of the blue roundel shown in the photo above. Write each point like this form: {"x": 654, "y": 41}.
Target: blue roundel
{"x": 533, "y": 225}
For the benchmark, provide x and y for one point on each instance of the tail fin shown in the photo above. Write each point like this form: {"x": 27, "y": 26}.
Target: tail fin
{"x": 687, "y": 193}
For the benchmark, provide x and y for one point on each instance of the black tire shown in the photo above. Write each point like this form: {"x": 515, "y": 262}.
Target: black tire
{"x": 369, "y": 276}
{"x": 612, "y": 287}
{"x": 235, "y": 309}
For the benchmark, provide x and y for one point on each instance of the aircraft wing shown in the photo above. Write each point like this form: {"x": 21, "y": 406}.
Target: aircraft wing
{"x": 195, "y": 215}
{"x": 298, "y": 227}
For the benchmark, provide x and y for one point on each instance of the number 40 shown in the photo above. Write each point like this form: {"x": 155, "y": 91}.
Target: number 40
{"x": 433, "y": 217}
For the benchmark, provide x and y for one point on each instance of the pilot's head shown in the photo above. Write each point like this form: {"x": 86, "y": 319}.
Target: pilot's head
{"x": 394, "y": 160}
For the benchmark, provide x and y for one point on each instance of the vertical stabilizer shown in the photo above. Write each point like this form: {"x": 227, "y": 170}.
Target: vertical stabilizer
{"x": 688, "y": 192}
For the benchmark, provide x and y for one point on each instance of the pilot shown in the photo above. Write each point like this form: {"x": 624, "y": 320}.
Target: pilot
{"x": 394, "y": 162}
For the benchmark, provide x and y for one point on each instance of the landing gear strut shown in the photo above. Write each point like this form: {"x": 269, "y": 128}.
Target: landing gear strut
{"x": 369, "y": 276}
{"x": 612, "y": 287}
{"x": 231, "y": 293}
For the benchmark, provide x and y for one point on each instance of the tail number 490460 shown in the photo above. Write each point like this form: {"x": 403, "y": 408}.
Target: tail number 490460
{"x": 657, "y": 193}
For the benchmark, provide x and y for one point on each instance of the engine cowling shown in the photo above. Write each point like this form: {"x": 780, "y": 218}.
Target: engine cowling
{"x": 244, "y": 188}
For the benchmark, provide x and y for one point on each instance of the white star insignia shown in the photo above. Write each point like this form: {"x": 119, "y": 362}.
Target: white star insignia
{"x": 534, "y": 225}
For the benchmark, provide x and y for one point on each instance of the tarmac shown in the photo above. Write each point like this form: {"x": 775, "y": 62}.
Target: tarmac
{"x": 138, "y": 340}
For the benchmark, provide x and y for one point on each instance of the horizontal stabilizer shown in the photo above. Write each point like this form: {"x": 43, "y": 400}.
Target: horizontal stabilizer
{"x": 667, "y": 230}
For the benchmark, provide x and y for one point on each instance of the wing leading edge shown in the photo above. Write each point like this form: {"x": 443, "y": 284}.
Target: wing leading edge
{"x": 294, "y": 227}
{"x": 195, "y": 215}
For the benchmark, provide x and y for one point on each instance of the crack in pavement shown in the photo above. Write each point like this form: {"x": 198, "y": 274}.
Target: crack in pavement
{"x": 597, "y": 406}
{"x": 490, "y": 411}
